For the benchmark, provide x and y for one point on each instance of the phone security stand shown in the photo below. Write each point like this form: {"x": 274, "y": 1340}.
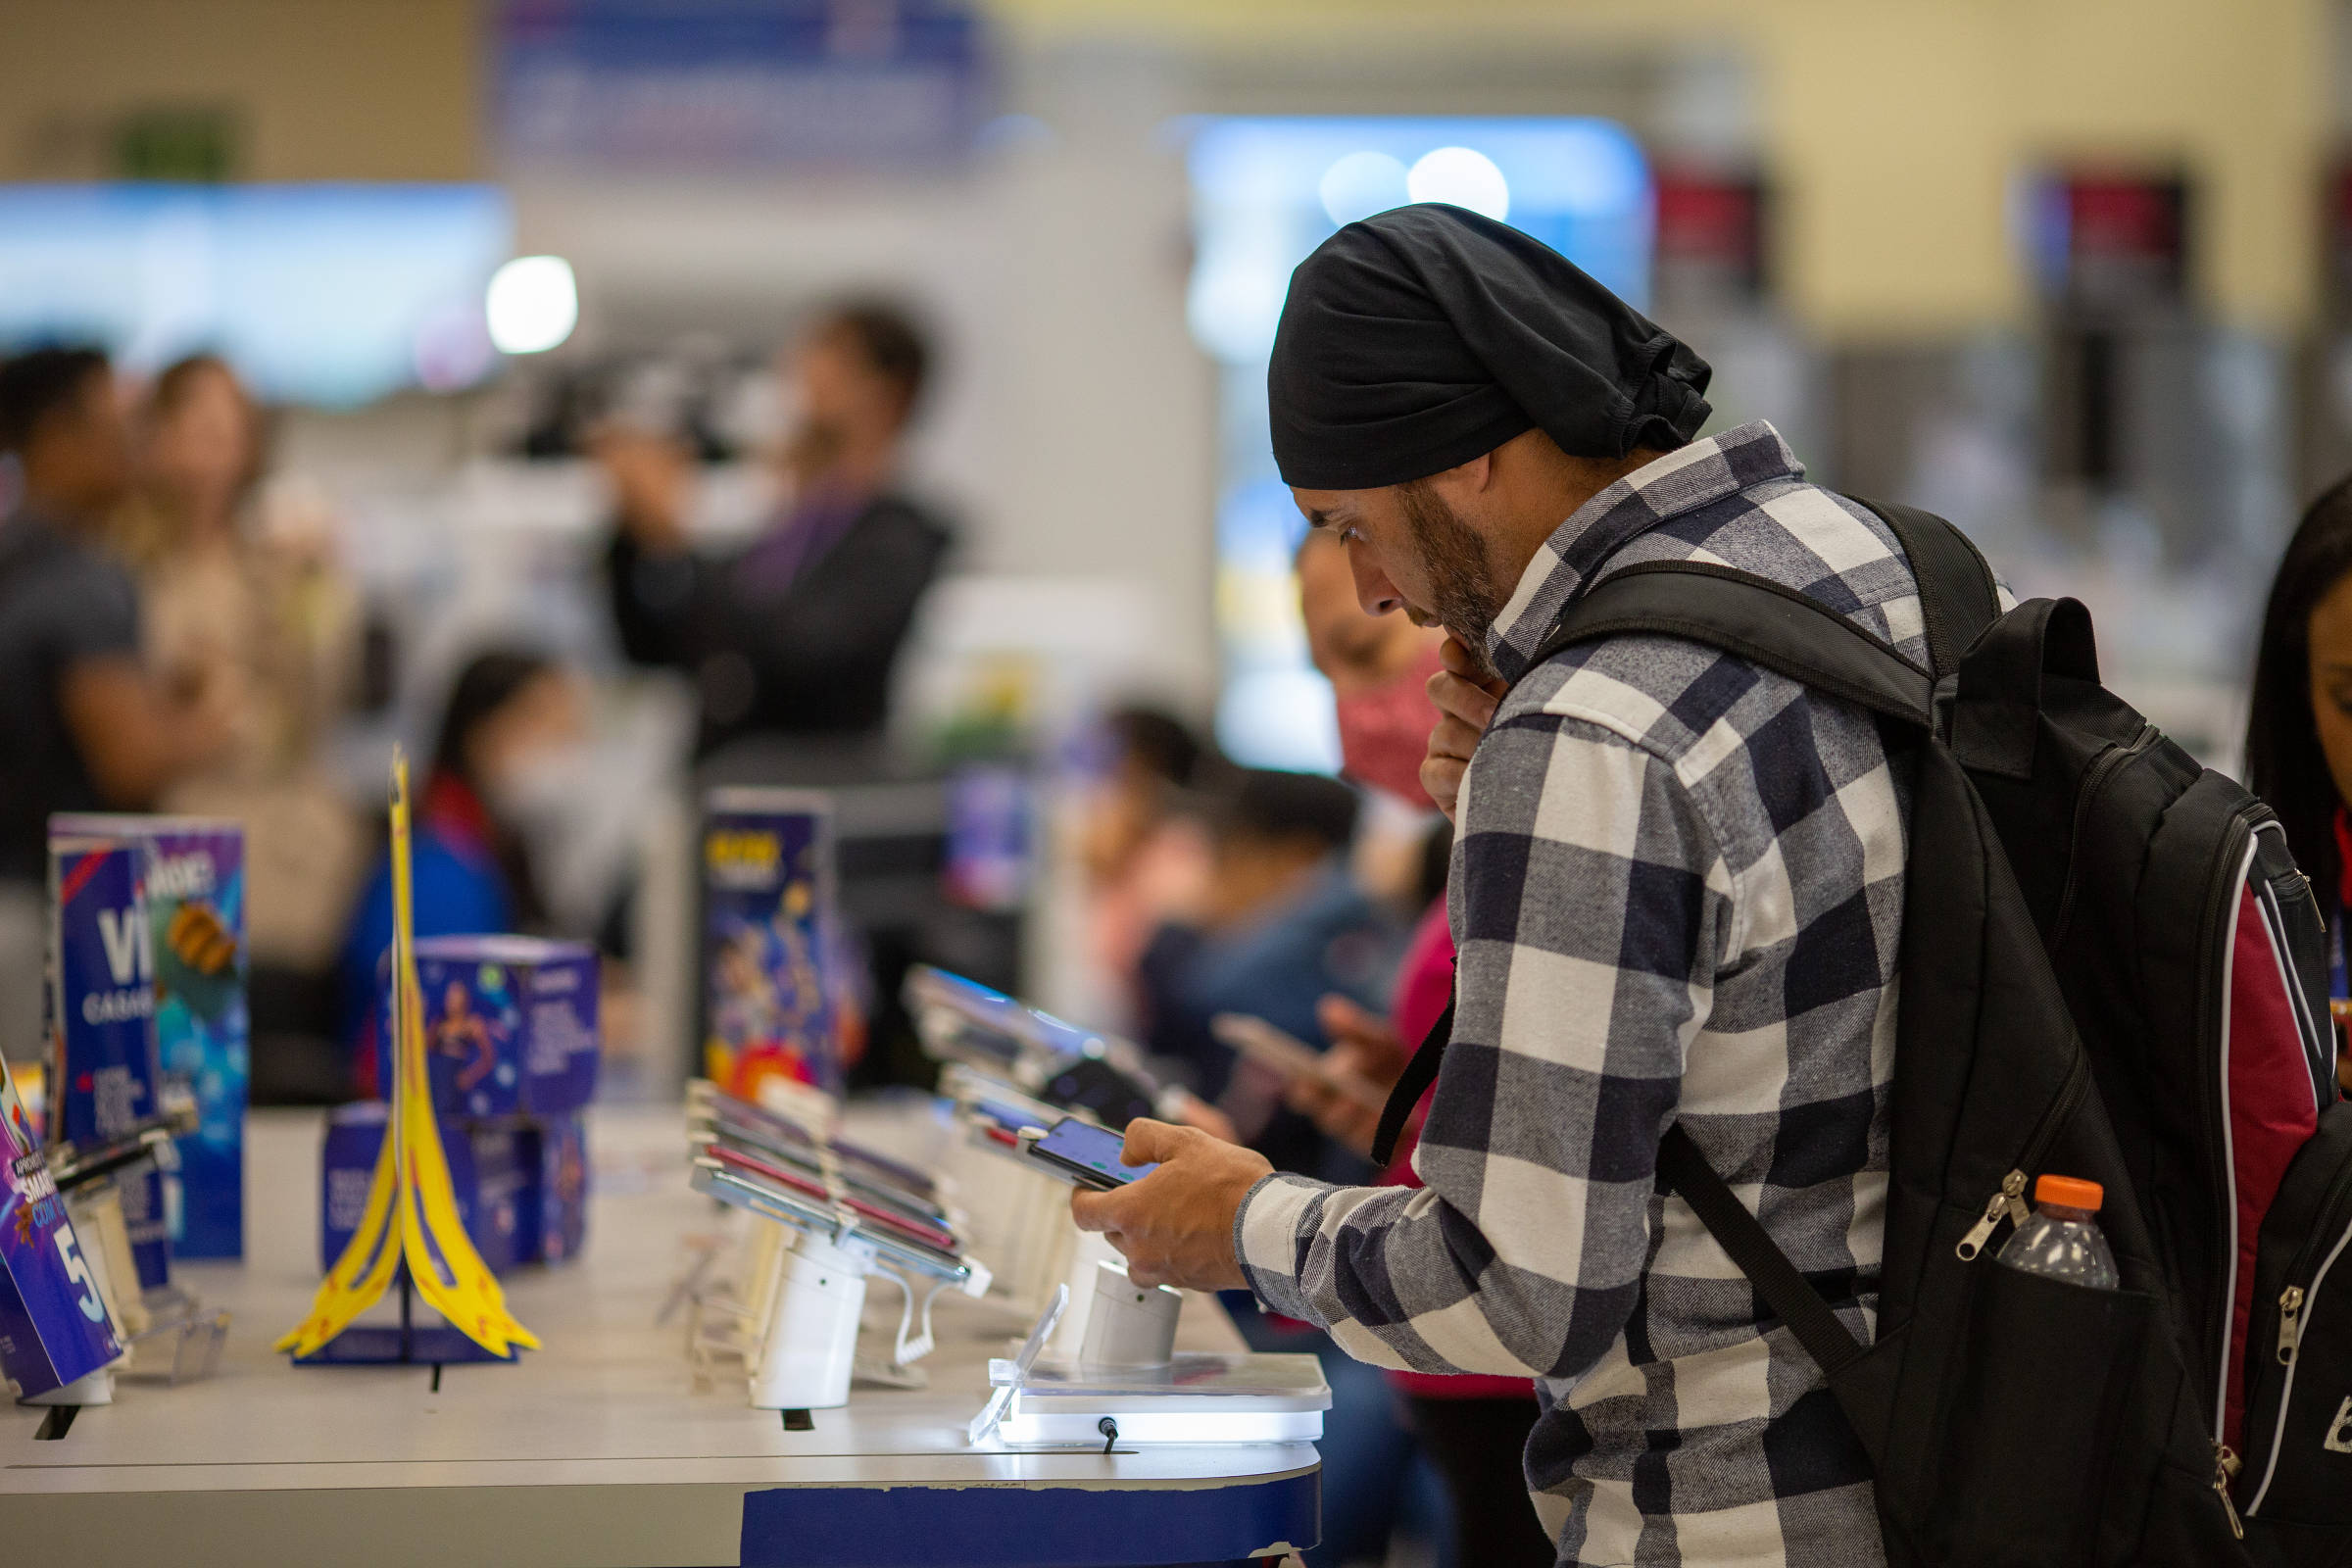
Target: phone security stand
{"x": 815, "y": 1294}
{"x": 1131, "y": 1325}
{"x": 810, "y": 1345}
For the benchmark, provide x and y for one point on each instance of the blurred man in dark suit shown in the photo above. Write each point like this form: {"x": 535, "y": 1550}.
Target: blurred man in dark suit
{"x": 796, "y": 634}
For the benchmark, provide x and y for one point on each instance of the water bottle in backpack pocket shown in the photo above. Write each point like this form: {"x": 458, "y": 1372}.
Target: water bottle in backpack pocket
{"x": 2063, "y": 1240}
{"x": 2054, "y": 1349}
{"x": 2299, "y": 1465}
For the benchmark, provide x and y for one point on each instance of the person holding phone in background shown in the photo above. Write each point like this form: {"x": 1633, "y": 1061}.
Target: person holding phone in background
{"x": 2299, "y": 722}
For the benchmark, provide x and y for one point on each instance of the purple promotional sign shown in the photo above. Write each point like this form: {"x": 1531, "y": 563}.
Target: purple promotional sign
{"x": 767, "y": 908}
{"x": 101, "y": 1003}
{"x": 194, "y": 886}
{"x": 54, "y": 1326}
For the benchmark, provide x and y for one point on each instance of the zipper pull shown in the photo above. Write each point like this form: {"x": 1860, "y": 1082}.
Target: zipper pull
{"x": 2007, "y": 1203}
{"x": 2013, "y": 1187}
{"x": 2290, "y": 1323}
{"x": 2224, "y": 1470}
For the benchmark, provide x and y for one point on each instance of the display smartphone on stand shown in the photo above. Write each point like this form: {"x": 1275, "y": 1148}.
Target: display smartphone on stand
{"x": 1083, "y": 1155}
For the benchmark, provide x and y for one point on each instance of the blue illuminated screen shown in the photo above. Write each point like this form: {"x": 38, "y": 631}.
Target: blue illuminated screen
{"x": 324, "y": 294}
{"x": 1265, "y": 192}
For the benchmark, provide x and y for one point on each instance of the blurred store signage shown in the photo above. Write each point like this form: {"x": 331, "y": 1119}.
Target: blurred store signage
{"x": 2338, "y": 230}
{"x": 715, "y": 85}
{"x": 1710, "y": 237}
{"x": 2106, "y": 241}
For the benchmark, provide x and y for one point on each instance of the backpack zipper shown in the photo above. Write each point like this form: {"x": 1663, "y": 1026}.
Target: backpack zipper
{"x": 2296, "y": 1304}
{"x": 2009, "y": 1200}
{"x": 2101, "y": 772}
{"x": 2290, "y": 1321}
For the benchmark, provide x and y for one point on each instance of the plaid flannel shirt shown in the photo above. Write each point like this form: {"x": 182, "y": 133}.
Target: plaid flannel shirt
{"x": 1676, "y": 889}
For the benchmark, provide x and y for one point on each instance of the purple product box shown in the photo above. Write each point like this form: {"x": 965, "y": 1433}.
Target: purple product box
{"x": 768, "y": 893}
{"x": 510, "y": 1026}
{"x": 485, "y": 1171}
{"x": 54, "y": 1327}
{"x": 100, "y": 1001}
{"x": 194, "y": 882}
{"x": 554, "y": 1155}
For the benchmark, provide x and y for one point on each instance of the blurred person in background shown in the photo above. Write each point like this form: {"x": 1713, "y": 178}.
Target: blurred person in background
{"x": 88, "y": 727}
{"x": 796, "y": 634}
{"x": 513, "y": 718}
{"x": 2299, "y": 724}
{"x": 1280, "y": 925}
{"x": 253, "y": 611}
{"x": 1472, "y": 1427}
{"x": 1146, "y": 857}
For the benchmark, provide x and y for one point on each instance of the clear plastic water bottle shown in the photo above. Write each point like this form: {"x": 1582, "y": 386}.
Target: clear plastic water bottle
{"x": 2062, "y": 1238}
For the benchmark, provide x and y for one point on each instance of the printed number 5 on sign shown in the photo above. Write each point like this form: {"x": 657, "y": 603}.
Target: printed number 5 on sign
{"x": 80, "y": 1273}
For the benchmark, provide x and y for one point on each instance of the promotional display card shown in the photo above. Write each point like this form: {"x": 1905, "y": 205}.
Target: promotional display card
{"x": 54, "y": 1326}
{"x": 768, "y": 910}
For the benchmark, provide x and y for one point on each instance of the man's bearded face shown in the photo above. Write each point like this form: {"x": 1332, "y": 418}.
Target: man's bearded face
{"x": 1464, "y": 593}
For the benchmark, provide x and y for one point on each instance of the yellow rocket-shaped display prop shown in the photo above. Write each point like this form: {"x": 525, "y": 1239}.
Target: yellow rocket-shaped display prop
{"x": 412, "y": 1212}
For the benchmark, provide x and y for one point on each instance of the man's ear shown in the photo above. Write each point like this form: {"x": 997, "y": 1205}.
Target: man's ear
{"x": 1475, "y": 477}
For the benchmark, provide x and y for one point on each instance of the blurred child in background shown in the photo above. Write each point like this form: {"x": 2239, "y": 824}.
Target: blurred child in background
{"x": 1144, "y": 853}
{"x": 511, "y": 716}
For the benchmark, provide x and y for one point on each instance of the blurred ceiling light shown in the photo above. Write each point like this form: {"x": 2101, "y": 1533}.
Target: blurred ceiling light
{"x": 1462, "y": 177}
{"x": 1360, "y": 185}
{"x": 534, "y": 304}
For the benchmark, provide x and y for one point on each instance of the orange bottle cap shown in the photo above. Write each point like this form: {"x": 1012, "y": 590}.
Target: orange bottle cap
{"x": 2069, "y": 1192}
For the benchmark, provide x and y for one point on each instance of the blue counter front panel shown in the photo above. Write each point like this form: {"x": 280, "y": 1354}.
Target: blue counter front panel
{"x": 1015, "y": 1526}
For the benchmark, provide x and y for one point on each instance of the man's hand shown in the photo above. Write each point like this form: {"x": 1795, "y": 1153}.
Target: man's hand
{"x": 1175, "y": 1226}
{"x": 651, "y": 478}
{"x": 1466, "y": 700}
{"x": 1363, "y": 1047}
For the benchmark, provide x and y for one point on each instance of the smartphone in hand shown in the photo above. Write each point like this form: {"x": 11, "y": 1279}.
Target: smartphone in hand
{"x": 1083, "y": 1155}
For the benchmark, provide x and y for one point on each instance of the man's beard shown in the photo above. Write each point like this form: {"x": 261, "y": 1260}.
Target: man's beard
{"x": 1464, "y": 593}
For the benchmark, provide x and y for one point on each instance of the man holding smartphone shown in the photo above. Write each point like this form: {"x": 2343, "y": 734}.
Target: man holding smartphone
{"x": 1676, "y": 893}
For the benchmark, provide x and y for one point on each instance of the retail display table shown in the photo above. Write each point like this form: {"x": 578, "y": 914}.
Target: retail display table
{"x": 598, "y": 1449}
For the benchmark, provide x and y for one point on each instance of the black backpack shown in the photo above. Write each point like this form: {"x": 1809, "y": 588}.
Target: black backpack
{"x": 2110, "y": 969}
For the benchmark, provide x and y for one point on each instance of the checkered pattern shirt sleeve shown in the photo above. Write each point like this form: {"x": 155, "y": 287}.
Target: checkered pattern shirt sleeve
{"x": 1595, "y": 906}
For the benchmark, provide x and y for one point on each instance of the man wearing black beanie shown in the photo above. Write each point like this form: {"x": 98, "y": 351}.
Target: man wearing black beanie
{"x": 1677, "y": 893}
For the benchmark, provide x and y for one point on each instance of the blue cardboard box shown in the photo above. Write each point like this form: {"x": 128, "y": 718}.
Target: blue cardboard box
{"x": 54, "y": 1326}
{"x": 554, "y": 1158}
{"x": 194, "y": 883}
{"x": 485, "y": 1172}
{"x": 510, "y": 1026}
{"x": 100, "y": 1003}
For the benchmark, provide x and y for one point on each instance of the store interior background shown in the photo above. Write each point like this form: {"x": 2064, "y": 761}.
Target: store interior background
{"x": 2077, "y": 273}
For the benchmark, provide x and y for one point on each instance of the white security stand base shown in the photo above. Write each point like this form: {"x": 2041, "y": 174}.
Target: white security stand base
{"x": 91, "y": 1388}
{"x": 1091, "y": 1252}
{"x": 1131, "y": 1325}
{"x": 810, "y": 1346}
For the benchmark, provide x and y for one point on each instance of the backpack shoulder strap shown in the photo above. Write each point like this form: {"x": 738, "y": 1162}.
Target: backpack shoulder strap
{"x": 1739, "y": 613}
{"x": 1784, "y": 1288}
{"x": 1767, "y": 622}
{"x": 1957, "y": 595}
